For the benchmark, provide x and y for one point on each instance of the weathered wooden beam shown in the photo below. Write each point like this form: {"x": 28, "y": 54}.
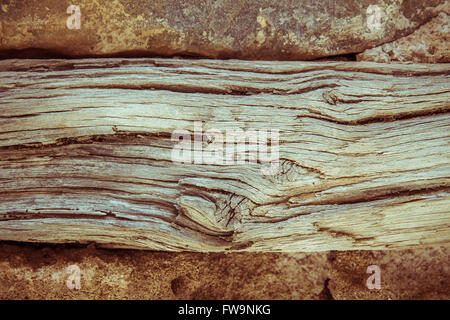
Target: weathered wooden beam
{"x": 86, "y": 154}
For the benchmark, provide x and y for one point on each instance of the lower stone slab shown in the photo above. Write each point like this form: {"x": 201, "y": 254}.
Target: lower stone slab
{"x": 40, "y": 272}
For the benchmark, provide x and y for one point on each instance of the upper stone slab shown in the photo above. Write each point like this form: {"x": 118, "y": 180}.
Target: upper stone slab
{"x": 243, "y": 29}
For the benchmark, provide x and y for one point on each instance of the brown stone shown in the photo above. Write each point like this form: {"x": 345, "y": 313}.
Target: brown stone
{"x": 245, "y": 29}
{"x": 420, "y": 273}
{"x": 39, "y": 272}
{"x": 428, "y": 44}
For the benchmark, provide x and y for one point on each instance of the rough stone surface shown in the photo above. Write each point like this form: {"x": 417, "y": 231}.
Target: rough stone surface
{"x": 428, "y": 44}
{"x": 406, "y": 274}
{"x": 246, "y": 29}
{"x": 39, "y": 272}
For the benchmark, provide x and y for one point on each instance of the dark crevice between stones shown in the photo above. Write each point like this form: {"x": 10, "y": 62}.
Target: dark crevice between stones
{"x": 341, "y": 57}
{"x": 325, "y": 294}
{"x": 50, "y": 245}
{"x": 38, "y": 53}
{"x": 32, "y": 53}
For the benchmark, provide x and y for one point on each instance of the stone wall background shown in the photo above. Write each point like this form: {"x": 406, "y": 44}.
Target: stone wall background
{"x": 243, "y": 29}
{"x": 30, "y": 271}
{"x": 411, "y": 32}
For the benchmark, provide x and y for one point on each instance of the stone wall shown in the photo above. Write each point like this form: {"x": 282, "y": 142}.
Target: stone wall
{"x": 40, "y": 272}
{"x": 409, "y": 31}
{"x": 244, "y": 29}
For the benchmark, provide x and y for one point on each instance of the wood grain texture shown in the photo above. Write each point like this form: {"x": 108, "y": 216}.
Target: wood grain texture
{"x": 86, "y": 148}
